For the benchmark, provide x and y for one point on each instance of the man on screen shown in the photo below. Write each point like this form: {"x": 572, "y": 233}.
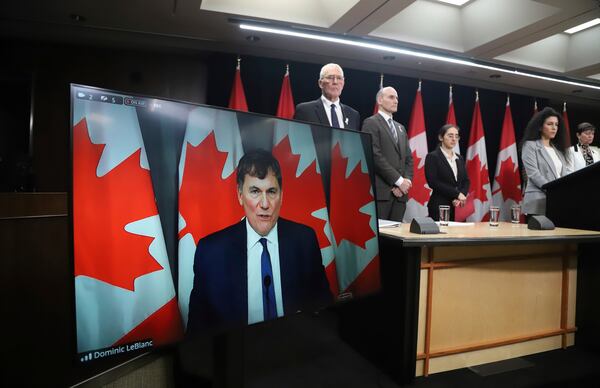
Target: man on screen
{"x": 262, "y": 267}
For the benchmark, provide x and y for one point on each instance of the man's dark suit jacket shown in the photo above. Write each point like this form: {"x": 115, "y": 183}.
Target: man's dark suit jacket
{"x": 314, "y": 112}
{"x": 392, "y": 159}
{"x": 219, "y": 297}
{"x": 441, "y": 180}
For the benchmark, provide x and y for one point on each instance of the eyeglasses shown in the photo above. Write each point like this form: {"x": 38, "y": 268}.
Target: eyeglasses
{"x": 457, "y": 137}
{"x": 332, "y": 78}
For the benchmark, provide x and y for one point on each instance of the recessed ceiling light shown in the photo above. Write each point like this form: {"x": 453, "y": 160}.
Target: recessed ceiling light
{"x": 454, "y": 2}
{"x": 252, "y": 38}
{"x": 583, "y": 26}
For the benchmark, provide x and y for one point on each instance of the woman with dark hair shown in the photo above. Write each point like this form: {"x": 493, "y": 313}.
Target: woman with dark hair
{"x": 446, "y": 173}
{"x": 583, "y": 153}
{"x": 543, "y": 150}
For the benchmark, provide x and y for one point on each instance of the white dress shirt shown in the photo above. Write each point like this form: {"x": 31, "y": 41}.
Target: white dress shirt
{"x": 452, "y": 162}
{"x": 255, "y": 281}
{"x": 555, "y": 160}
{"x": 338, "y": 111}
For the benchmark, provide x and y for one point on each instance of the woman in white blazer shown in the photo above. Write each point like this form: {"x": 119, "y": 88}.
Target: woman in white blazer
{"x": 543, "y": 154}
{"x": 583, "y": 153}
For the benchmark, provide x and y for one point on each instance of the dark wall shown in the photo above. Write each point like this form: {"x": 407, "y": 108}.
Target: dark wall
{"x": 53, "y": 67}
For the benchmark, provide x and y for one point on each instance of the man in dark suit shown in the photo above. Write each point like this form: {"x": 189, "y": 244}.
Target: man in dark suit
{"x": 392, "y": 157}
{"x": 328, "y": 110}
{"x": 260, "y": 268}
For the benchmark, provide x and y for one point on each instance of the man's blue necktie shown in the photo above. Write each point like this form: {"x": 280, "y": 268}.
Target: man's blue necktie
{"x": 269, "y": 303}
{"x": 334, "y": 120}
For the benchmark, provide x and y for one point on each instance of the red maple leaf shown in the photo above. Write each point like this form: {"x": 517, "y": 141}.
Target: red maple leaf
{"x": 509, "y": 181}
{"x": 419, "y": 192}
{"x": 163, "y": 326}
{"x": 348, "y": 195}
{"x": 368, "y": 281}
{"x": 479, "y": 177}
{"x": 302, "y": 195}
{"x": 102, "y": 207}
{"x": 207, "y": 202}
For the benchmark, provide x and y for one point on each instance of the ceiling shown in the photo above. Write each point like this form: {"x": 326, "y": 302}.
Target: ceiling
{"x": 520, "y": 34}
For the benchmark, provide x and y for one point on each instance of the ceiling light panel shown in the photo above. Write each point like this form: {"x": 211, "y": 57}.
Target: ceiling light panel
{"x": 318, "y": 13}
{"x": 583, "y": 26}
{"x": 402, "y": 51}
{"x": 455, "y": 2}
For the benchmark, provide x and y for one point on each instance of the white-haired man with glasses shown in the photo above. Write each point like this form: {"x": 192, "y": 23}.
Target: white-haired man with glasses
{"x": 328, "y": 110}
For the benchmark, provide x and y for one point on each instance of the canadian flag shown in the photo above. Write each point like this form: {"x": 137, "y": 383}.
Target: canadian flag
{"x": 304, "y": 195}
{"x": 567, "y": 126}
{"x": 286, "y": 108}
{"x": 479, "y": 198}
{"x": 451, "y": 118}
{"x": 418, "y": 196}
{"x": 353, "y": 217}
{"x": 237, "y": 99}
{"x": 124, "y": 289}
{"x": 506, "y": 191}
{"x": 211, "y": 150}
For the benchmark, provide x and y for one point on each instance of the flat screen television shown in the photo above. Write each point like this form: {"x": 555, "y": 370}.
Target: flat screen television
{"x": 155, "y": 190}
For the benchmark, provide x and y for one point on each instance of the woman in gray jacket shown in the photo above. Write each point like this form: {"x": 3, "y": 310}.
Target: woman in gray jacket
{"x": 543, "y": 150}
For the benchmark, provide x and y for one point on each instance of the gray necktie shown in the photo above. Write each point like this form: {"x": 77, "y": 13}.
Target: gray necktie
{"x": 393, "y": 130}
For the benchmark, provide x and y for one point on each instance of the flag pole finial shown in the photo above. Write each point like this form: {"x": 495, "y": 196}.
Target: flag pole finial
{"x": 381, "y": 81}
{"x": 238, "y": 62}
{"x": 450, "y": 88}
{"x": 507, "y": 98}
{"x": 564, "y": 106}
{"x": 419, "y": 83}
{"x": 287, "y": 68}
{"x": 476, "y": 94}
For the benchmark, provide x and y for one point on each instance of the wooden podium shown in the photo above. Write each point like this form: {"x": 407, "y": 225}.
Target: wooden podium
{"x": 483, "y": 294}
{"x": 572, "y": 202}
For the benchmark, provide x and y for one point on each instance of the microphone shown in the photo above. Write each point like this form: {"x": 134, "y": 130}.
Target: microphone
{"x": 267, "y": 281}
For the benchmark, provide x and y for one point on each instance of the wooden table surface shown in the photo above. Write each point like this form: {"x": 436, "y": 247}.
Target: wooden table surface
{"x": 483, "y": 233}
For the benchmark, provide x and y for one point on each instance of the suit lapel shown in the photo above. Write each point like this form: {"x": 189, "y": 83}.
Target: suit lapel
{"x": 386, "y": 128}
{"x": 320, "y": 112}
{"x": 285, "y": 272}
{"x": 547, "y": 158}
{"x": 446, "y": 165}
{"x": 239, "y": 271}
{"x": 345, "y": 117}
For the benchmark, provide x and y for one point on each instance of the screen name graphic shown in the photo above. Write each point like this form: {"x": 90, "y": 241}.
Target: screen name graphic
{"x": 115, "y": 350}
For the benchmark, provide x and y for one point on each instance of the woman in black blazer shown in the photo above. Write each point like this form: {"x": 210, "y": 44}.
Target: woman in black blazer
{"x": 446, "y": 173}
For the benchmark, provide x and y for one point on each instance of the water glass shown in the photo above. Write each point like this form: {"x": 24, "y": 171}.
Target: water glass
{"x": 444, "y": 215}
{"x": 494, "y": 215}
{"x": 515, "y": 214}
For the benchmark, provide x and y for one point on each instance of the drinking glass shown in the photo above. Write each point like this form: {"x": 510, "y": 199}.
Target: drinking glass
{"x": 494, "y": 215}
{"x": 444, "y": 215}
